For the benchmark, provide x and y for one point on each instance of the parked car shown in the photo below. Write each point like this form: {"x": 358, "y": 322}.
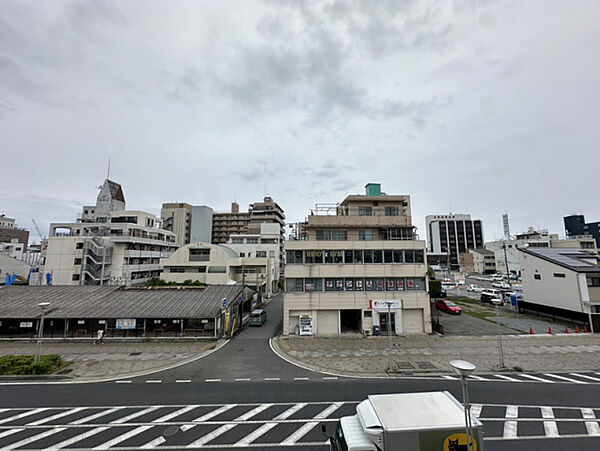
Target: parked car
{"x": 447, "y": 306}
{"x": 474, "y": 288}
{"x": 501, "y": 285}
{"x": 497, "y": 277}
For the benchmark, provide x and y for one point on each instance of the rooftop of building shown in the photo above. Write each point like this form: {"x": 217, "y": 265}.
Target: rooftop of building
{"x": 484, "y": 252}
{"x": 116, "y": 191}
{"x": 578, "y": 260}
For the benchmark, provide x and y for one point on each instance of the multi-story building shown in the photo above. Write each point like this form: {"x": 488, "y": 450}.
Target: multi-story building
{"x": 228, "y": 223}
{"x": 218, "y": 264}
{"x": 123, "y": 248}
{"x": 10, "y": 232}
{"x": 562, "y": 283}
{"x": 191, "y": 223}
{"x": 575, "y": 226}
{"x": 478, "y": 261}
{"x": 448, "y": 236}
{"x": 355, "y": 257}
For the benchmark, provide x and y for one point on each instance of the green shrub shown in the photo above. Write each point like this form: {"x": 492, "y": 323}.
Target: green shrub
{"x": 13, "y": 365}
{"x": 435, "y": 288}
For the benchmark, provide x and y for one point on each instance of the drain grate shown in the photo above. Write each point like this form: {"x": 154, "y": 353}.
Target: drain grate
{"x": 404, "y": 366}
{"x": 426, "y": 366}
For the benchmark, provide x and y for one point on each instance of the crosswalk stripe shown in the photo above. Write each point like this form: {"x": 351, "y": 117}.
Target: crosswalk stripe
{"x": 208, "y": 416}
{"x": 591, "y": 426}
{"x": 171, "y": 415}
{"x": 10, "y": 432}
{"x": 536, "y": 378}
{"x": 226, "y": 427}
{"x": 57, "y": 416}
{"x": 510, "y": 427}
{"x": 585, "y": 377}
{"x": 33, "y": 438}
{"x": 154, "y": 443}
{"x": 568, "y": 379}
{"x": 96, "y": 415}
{"x": 451, "y": 378}
{"x": 508, "y": 378}
{"x": 478, "y": 378}
{"x": 292, "y": 439}
{"x": 123, "y": 437}
{"x": 550, "y": 427}
{"x": 23, "y": 415}
{"x": 135, "y": 415}
{"x": 76, "y": 438}
{"x": 268, "y": 426}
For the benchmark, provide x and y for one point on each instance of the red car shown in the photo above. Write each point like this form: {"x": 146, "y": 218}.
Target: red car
{"x": 447, "y": 306}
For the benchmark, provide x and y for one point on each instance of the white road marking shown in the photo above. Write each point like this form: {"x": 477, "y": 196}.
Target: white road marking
{"x": 536, "y": 378}
{"x": 292, "y": 439}
{"x": 10, "y": 432}
{"x": 330, "y": 378}
{"x": 23, "y": 415}
{"x": 510, "y": 427}
{"x": 268, "y": 426}
{"x": 585, "y": 377}
{"x": 212, "y": 380}
{"x": 568, "y": 379}
{"x": 550, "y": 427}
{"x": 242, "y": 379}
{"x": 226, "y": 427}
{"x": 123, "y": 437}
{"x": 33, "y": 438}
{"x": 153, "y": 381}
{"x": 96, "y": 415}
{"x": 591, "y": 426}
{"x": 76, "y": 438}
{"x": 450, "y": 378}
{"x": 154, "y": 443}
{"x": 123, "y": 382}
{"x": 135, "y": 415}
{"x": 508, "y": 378}
{"x": 171, "y": 415}
{"x": 478, "y": 378}
{"x": 182, "y": 381}
{"x": 272, "y": 378}
{"x": 208, "y": 416}
{"x": 301, "y": 378}
{"x": 57, "y": 416}
{"x": 476, "y": 409}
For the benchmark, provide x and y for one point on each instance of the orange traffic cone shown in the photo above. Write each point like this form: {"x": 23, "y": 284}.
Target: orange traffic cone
{"x": 531, "y": 331}
{"x": 550, "y": 330}
{"x": 577, "y": 330}
{"x": 566, "y": 330}
{"x": 585, "y": 331}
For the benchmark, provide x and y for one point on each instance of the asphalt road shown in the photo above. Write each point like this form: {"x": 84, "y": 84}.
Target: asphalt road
{"x": 280, "y": 407}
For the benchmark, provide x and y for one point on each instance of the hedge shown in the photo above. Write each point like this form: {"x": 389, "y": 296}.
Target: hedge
{"x": 23, "y": 364}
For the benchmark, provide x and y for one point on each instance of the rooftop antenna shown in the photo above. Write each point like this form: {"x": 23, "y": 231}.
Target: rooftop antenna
{"x": 108, "y": 170}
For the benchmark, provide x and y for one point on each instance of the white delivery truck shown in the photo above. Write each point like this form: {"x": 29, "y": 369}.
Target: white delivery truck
{"x": 431, "y": 421}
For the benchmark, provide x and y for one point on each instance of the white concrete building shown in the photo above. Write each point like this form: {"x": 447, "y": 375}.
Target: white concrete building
{"x": 562, "y": 282}
{"x": 450, "y": 235}
{"x": 218, "y": 264}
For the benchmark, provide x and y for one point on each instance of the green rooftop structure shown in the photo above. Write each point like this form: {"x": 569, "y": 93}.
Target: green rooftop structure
{"x": 373, "y": 189}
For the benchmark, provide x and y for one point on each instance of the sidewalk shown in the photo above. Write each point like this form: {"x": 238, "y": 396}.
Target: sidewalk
{"x": 357, "y": 356}
{"x": 115, "y": 359}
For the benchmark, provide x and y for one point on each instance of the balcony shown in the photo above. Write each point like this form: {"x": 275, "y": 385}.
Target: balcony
{"x": 339, "y": 221}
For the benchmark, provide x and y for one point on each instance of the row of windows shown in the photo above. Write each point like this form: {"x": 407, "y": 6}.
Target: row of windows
{"x": 299, "y": 285}
{"x": 368, "y": 211}
{"x": 340, "y": 257}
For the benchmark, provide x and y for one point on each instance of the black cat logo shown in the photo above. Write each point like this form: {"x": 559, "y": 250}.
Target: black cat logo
{"x": 454, "y": 446}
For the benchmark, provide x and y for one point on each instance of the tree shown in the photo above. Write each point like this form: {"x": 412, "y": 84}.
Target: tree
{"x": 435, "y": 288}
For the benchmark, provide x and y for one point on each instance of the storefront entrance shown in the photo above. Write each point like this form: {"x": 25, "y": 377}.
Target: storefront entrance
{"x": 383, "y": 317}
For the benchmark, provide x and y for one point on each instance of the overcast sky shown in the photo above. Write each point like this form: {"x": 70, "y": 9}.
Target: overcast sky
{"x": 469, "y": 106}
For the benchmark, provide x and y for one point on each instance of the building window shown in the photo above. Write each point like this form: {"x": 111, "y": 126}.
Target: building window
{"x": 415, "y": 283}
{"x": 559, "y": 275}
{"x": 329, "y": 284}
{"x": 294, "y": 257}
{"x": 537, "y": 276}
{"x": 398, "y": 256}
{"x": 332, "y": 235}
{"x": 294, "y": 285}
{"x": 261, "y": 254}
{"x": 368, "y": 313}
{"x": 336, "y": 257}
{"x": 77, "y": 261}
{"x": 399, "y": 284}
{"x": 349, "y": 284}
{"x": 176, "y": 269}
{"x": 369, "y": 286}
{"x": 199, "y": 255}
{"x": 75, "y": 277}
{"x": 357, "y": 257}
{"x": 237, "y": 240}
{"x": 358, "y": 284}
{"x": 390, "y": 284}
{"x": 201, "y": 268}
{"x": 339, "y": 284}
{"x": 388, "y": 256}
{"x": 391, "y": 211}
{"x": 242, "y": 254}
{"x": 419, "y": 258}
{"x": 365, "y": 211}
{"x": 79, "y": 246}
{"x": 409, "y": 256}
{"x": 377, "y": 257}
{"x": 593, "y": 281}
{"x": 379, "y": 285}
{"x": 313, "y": 257}
{"x": 365, "y": 235}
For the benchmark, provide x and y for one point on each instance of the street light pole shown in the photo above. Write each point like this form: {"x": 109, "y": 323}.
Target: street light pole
{"x": 497, "y": 303}
{"x": 43, "y": 306}
{"x": 506, "y": 263}
{"x": 389, "y": 331}
{"x": 464, "y": 369}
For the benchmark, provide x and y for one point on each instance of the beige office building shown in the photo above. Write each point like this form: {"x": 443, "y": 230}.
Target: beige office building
{"x": 354, "y": 257}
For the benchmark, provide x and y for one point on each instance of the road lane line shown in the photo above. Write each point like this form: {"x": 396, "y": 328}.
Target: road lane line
{"x": 330, "y": 378}
{"x": 476, "y": 409}
{"x": 57, "y": 416}
{"x": 154, "y": 443}
{"x": 242, "y": 379}
{"x": 171, "y": 415}
{"x": 212, "y": 380}
{"x": 208, "y": 416}
{"x": 123, "y": 437}
{"x": 23, "y": 415}
{"x": 268, "y": 426}
{"x": 585, "y": 377}
{"x": 122, "y": 382}
{"x": 301, "y": 378}
{"x": 154, "y": 381}
{"x": 226, "y": 427}
{"x": 568, "y": 379}
{"x": 550, "y": 427}
{"x": 536, "y": 378}
{"x": 508, "y": 378}
{"x": 510, "y": 427}
{"x": 135, "y": 415}
{"x": 591, "y": 426}
{"x": 76, "y": 438}
{"x": 33, "y": 438}
{"x": 182, "y": 381}
{"x": 272, "y": 378}
{"x": 292, "y": 439}
{"x": 96, "y": 415}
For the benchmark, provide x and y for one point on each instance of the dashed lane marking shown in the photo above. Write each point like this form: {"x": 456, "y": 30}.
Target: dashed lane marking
{"x": 301, "y": 378}
{"x": 242, "y": 379}
{"x": 123, "y": 382}
{"x": 584, "y": 376}
{"x": 272, "y": 378}
{"x": 182, "y": 381}
{"x": 212, "y": 380}
{"x": 153, "y": 381}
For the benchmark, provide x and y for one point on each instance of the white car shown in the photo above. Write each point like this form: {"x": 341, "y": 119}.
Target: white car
{"x": 474, "y": 288}
{"x": 501, "y": 285}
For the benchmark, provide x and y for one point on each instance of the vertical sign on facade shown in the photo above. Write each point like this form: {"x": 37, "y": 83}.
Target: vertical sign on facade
{"x": 505, "y": 225}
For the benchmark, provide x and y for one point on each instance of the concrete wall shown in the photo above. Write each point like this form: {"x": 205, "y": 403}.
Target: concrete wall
{"x": 202, "y": 218}
{"x": 60, "y": 257}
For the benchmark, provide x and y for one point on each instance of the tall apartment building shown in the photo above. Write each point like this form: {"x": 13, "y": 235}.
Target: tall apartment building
{"x": 228, "y": 223}
{"x": 10, "y": 232}
{"x": 576, "y": 226}
{"x": 123, "y": 248}
{"x": 448, "y": 236}
{"x": 191, "y": 223}
{"x": 357, "y": 255}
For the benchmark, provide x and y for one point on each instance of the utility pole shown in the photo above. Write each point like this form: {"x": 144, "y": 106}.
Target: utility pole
{"x": 506, "y": 262}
